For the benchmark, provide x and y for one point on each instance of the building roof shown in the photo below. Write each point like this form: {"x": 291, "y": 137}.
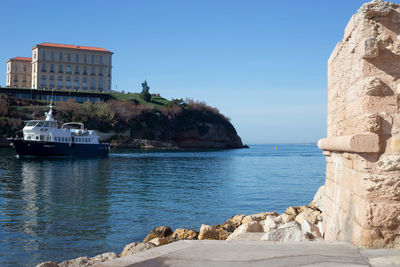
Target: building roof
{"x": 22, "y": 58}
{"x": 79, "y": 47}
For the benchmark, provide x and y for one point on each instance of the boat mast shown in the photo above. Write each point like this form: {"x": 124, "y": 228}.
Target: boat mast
{"x": 49, "y": 115}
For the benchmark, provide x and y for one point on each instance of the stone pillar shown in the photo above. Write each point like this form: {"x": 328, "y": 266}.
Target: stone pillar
{"x": 362, "y": 148}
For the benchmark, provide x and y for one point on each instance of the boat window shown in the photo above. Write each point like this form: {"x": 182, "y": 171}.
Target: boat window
{"x": 48, "y": 138}
{"x": 37, "y": 137}
{"x": 40, "y": 124}
{"x": 31, "y": 123}
{"x": 54, "y": 124}
{"x": 46, "y": 124}
{"x": 62, "y": 139}
{"x": 28, "y": 137}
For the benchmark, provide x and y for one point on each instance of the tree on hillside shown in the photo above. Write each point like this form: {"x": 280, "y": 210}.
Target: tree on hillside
{"x": 145, "y": 92}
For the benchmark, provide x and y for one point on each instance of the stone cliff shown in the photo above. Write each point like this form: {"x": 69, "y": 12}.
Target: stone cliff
{"x": 362, "y": 148}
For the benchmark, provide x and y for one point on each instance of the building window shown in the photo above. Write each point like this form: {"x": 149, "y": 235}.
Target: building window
{"x": 60, "y": 81}
{"x": 52, "y": 68}
{"x": 34, "y": 55}
{"x": 93, "y": 59}
{"x": 43, "y": 81}
{"x": 84, "y": 83}
{"x": 60, "y": 68}
{"x": 84, "y": 70}
{"x": 24, "y": 67}
{"x": 69, "y": 57}
{"x": 43, "y": 67}
{"x": 77, "y": 58}
{"x": 101, "y": 84}
{"x": 52, "y": 55}
{"x": 68, "y": 82}
{"x": 51, "y": 81}
{"x": 61, "y": 56}
{"x": 44, "y": 55}
{"x": 92, "y": 71}
{"x": 16, "y": 67}
{"x": 85, "y": 58}
{"x": 109, "y": 85}
{"x": 76, "y": 69}
{"x": 68, "y": 68}
{"x": 92, "y": 83}
{"x": 109, "y": 72}
{"x": 76, "y": 83}
{"x": 24, "y": 80}
{"x": 101, "y": 59}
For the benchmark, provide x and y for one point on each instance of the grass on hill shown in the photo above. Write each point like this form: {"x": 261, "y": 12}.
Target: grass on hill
{"x": 156, "y": 100}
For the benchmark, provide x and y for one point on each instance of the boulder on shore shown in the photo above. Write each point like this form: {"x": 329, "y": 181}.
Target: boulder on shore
{"x": 257, "y": 217}
{"x": 288, "y": 232}
{"x": 236, "y": 220}
{"x": 310, "y": 230}
{"x": 161, "y": 231}
{"x": 250, "y": 227}
{"x": 285, "y": 218}
{"x": 308, "y": 214}
{"x": 212, "y": 233}
{"x": 181, "y": 233}
{"x": 136, "y": 247}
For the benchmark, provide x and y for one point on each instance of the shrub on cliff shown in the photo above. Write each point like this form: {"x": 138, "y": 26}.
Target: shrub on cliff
{"x": 3, "y": 105}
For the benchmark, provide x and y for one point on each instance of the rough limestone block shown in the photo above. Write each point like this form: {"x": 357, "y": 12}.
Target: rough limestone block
{"x": 370, "y": 48}
{"x": 373, "y": 86}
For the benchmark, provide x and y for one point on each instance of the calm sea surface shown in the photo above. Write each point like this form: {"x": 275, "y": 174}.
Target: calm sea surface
{"x": 58, "y": 209}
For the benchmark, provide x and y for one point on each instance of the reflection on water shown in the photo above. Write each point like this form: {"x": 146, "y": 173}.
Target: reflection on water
{"x": 46, "y": 204}
{"x": 65, "y": 208}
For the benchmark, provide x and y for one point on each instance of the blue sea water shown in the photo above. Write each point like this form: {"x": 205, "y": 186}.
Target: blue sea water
{"x": 58, "y": 209}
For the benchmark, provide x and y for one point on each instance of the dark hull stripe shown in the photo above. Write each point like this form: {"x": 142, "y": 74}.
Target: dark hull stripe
{"x": 48, "y": 149}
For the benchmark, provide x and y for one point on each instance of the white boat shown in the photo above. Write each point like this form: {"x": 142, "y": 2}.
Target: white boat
{"x": 46, "y": 138}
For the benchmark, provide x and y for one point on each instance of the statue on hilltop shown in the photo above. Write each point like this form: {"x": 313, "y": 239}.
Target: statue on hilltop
{"x": 145, "y": 92}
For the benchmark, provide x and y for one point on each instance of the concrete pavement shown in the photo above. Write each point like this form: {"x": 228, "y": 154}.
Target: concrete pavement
{"x": 258, "y": 253}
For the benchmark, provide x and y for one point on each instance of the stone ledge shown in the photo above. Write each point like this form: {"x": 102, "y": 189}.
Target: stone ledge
{"x": 356, "y": 143}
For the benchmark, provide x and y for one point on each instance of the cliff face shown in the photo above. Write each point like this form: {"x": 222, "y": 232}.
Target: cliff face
{"x": 216, "y": 136}
{"x": 189, "y": 129}
{"x": 362, "y": 147}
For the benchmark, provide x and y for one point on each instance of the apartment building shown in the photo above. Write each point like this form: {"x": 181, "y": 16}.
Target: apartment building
{"x": 71, "y": 67}
{"x": 19, "y": 72}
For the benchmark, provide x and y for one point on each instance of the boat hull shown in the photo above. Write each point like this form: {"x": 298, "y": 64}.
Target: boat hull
{"x": 55, "y": 149}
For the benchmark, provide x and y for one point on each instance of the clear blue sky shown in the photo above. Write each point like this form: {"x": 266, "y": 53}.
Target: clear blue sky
{"x": 261, "y": 63}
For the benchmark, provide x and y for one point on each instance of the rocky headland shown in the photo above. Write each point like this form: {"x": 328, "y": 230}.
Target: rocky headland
{"x": 302, "y": 223}
{"x": 129, "y": 123}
